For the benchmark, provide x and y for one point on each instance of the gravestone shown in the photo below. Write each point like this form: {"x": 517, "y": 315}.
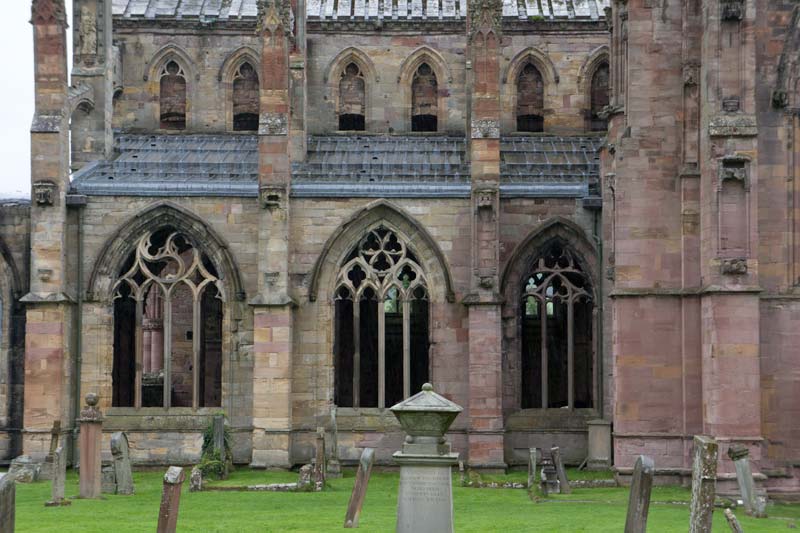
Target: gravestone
{"x": 46, "y": 471}
{"x": 740, "y": 456}
{"x": 319, "y": 461}
{"x": 196, "y": 480}
{"x": 8, "y": 490}
{"x": 425, "y": 498}
{"x": 733, "y": 522}
{"x": 24, "y": 469}
{"x": 305, "y": 477}
{"x": 218, "y": 431}
{"x": 59, "y": 479}
{"x": 122, "y": 463}
{"x": 549, "y": 483}
{"x": 461, "y": 479}
{"x": 109, "y": 483}
{"x": 533, "y": 461}
{"x": 563, "y": 483}
{"x": 639, "y": 499}
{"x": 91, "y": 440}
{"x": 704, "y": 479}
{"x": 170, "y": 500}
{"x": 360, "y": 488}
{"x": 334, "y": 465}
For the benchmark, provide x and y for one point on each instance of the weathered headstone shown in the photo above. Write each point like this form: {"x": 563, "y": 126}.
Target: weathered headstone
{"x": 196, "y": 480}
{"x": 334, "y": 465}
{"x": 733, "y": 522}
{"x": 425, "y": 498}
{"x": 305, "y": 477}
{"x": 360, "y": 488}
{"x": 704, "y": 479}
{"x": 170, "y": 500}
{"x": 46, "y": 471}
{"x": 122, "y": 463}
{"x": 740, "y": 456}
{"x": 563, "y": 482}
{"x": 461, "y": 479}
{"x": 319, "y": 464}
{"x": 639, "y": 499}
{"x": 8, "y": 490}
{"x": 91, "y": 440}
{"x": 218, "y": 431}
{"x": 24, "y": 469}
{"x": 59, "y": 479}
{"x": 533, "y": 461}
{"x": 109, "y": 483}
{"x": 549, "y": 483}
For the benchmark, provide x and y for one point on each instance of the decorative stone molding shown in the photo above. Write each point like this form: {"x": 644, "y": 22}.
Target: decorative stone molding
{"x": 731, "y": 10}
{"x": 734, "y": 168}
{"x": 485, "y": 129}
{"x": 691, "y": 74}
{"x": 45, "y": 274}
{"x": 734, "y": 267}
{"x": 733, "y": 126}
{"x": 484, "y": 198}
{"x": 273, "y": 124}
{"x": 789, "y": 64}
{"x": 485, "y": 16}
{"x": 274, "y": 15}
{"x": 91, "y": 413}
{"x": 48, "y": 12}
{"x": 780, "y": 99}
{"x": 272, "y": 196}
{"x": 731, "y": 104}
{"x": 44, "y": 193}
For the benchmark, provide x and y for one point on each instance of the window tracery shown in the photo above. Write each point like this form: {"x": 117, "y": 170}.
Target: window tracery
{"x": 172, "y": 80}
{"x": 382, "y": 343}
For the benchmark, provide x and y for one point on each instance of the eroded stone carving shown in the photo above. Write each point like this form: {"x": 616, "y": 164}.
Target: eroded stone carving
{"x": 733, "y": 126}
{"x": 691, "y": 74}
{"x": 731, "y": 10}
{"x": 274, "y": 15}
{"x": 734, "y": 267}
{"x": 271, "y": 197}
{"x": 44, "y": 192}
{"x": 485, "y": 129}
{"x": 273, "y": 124}
{"x": 485, "y": 16}
{"x": 87, "y": 36}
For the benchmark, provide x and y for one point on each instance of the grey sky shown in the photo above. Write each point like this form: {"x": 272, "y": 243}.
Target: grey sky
{"x": 16, "y": 93}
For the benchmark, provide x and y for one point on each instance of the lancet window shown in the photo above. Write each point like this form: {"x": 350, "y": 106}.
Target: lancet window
{"x": 530, "y": 100}
{"x": 245, "y": 98}
{"x": 167, "y": 326}
{"x": 557, "y": 333}
{"x": 172, "y": 96}
{"x": 424, "y": 100}
{"x": 381, "y": 323}
{"x": 352, "y": 99}
{"x": 599, "y": 98}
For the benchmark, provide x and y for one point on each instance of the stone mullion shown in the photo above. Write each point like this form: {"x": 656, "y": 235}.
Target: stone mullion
{"x": 544, "y": 371}
{"x": 167, "y": 401}
{"x": 406, "y": 348}
{"x": 381, "y": 354}
{"x": 196, "y": 337}
{"x": 139, "y": 351}
{"x": 357, "y": 353}
{"x": 570, "y": 354}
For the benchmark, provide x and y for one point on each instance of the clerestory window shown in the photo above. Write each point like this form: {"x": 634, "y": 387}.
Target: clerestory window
{"x": 424, "y": 100}
{"x": 557, "y": 333}
{"x": 172, "y": 97}
{"x": 381, "y": 323}
{"x": 352, "y": 99}
{"x": 167, "y": 326}
{"x": 245, "y": 98}
{"x": 599, "y": 98}
{"x": 530, "y": 100}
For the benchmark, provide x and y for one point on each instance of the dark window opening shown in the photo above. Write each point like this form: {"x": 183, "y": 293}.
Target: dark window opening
{"x": 352, "y": 99}
{"x": 557, "y": 324}
{"x": 246, "y": 98}
{"x": 530, "y": 100}
{"x": 424, "y": 100}
{"x": 599, "y": 98}
{"x": 173, "y": 97}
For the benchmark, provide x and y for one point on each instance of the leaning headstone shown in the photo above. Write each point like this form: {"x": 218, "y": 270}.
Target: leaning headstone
{"x": 733, "y": 522}
{"x": 533, "y": 461}
{"x": 334, "y": 466}
{"x": 639, "y": 499}
{"x": 170, "y": 500}
{"x": 218, "y": 430}
{"x": 8, "y": 496}
{"x": 46, "y": 471}
{"x": 24, "y": 469}
{"x": 59, "y": 479}
{"x": 196, "y": 480}
{"x": 360, "y": 488}
{"x": 740, "y": 456}
{"x": 704, "y": 479}
{"x": 122, "y": 463}
{"x": 91, "y": 440}
{"x": 319, "y": 464}
{"x": 425, "y": 498}
{"x": 563, "y": 483}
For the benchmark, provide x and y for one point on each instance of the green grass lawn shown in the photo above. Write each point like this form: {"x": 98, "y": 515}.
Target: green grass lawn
{"x": 476, "y": 510}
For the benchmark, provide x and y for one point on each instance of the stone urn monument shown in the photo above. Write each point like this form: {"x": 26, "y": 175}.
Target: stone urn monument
{"x": 425, "y": 499}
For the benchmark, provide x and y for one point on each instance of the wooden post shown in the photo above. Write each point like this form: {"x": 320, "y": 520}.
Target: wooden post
{"x": 360, "y": 488}
{"x": 170, "y": 500}
{"x": 639, "y": 499}
{"x": 91, "y": 441}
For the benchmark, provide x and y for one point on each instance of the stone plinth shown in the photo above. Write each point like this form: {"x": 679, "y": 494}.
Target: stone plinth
{"x": 425, "y": 499}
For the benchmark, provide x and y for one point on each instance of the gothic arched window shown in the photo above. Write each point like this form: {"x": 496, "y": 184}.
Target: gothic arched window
{"x": 599, "y": 98}
{"x": 352, "y": 99}
{"x": 245, "y": 98}
{"x": 381, "y": 323}
{"x": 424, "y": 100}
{"x": 167, "y": 326}
{"x": 557, "y": 333}
{"x": 172, "y": 99}
{"x": 530, "y": 100}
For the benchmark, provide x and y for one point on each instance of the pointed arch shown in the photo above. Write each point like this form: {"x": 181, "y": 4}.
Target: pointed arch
{"x": 235, "y": 59}
{"x": 537, "y": 58}
{"x": 367, "y": 76}
{"x": 227, "y": 75}
{"x": 595, "y": 59}
{"x": 119, "y": 246}
{"x": 347, "y": 56}
{"x": 382, "y": 212}
{"x": 171, "y": 51}
{"x": 441, "y": 73}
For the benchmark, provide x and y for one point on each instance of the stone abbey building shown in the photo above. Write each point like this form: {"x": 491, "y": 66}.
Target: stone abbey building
{"x": 579, "y": 219}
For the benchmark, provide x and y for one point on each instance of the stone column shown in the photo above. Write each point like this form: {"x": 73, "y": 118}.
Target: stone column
{"x": 425, "y": 499}
{"x": 91, "y": 442}
{"x": 272, "y": 307}
{"x": 48, "y": 372}
{"x": 485, "y": 340}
